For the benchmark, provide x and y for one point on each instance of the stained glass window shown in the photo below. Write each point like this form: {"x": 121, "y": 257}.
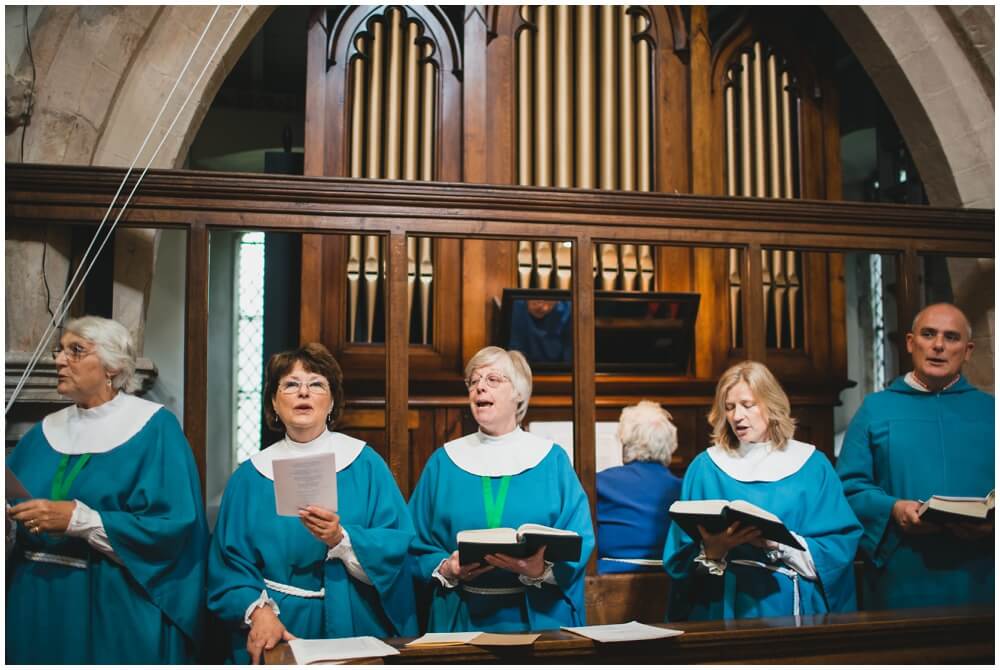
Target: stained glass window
{"x": 249, "y": 344}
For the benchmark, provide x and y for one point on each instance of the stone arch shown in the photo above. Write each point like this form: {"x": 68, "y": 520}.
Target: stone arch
{"x": 933, "y": 84}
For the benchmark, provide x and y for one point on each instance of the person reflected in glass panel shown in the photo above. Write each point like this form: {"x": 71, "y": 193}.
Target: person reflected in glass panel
{"x": 106, "y": 560}
{"x": 499, "y": 476}
{"x": 735, "y": 573}
{"x": 326, "y": 573}
{"x": 542, "y": 330}
{"x": 929, "y": 433}
{"x": 632, "y": 499}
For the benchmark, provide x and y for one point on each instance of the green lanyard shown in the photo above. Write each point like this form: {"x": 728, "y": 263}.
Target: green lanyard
{"x": 494, "y": 508}
{"x": 61, "y": 482}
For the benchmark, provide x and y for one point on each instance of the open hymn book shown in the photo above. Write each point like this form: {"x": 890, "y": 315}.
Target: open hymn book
{"x": 951, "y": 509}
{"x": 717, "y": 515}
{"x": 525, "y": 540}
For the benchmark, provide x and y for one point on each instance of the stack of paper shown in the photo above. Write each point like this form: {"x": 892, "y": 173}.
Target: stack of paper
{"x": 340, "y": 649}
{"x": 624, "y": 632}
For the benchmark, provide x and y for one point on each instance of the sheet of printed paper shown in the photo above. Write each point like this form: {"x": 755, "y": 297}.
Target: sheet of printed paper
{"x": 443, "y": 639}
{"x": 312, "y": 651}
{"x": 305, "y": 480}
{"x": 624, "y": 632}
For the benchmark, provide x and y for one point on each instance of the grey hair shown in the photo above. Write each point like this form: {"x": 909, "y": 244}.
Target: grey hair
{"x": 513, "y": 365}
{"x": 968, "y": 324}
{"x": 114, "y": 345}
{"x": 647, "y": 433}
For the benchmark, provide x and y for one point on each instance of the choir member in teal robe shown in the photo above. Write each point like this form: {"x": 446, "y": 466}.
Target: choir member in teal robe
{"x": 761, "y": 464}
{"x": 500, "y": 476}
{"x": 929, "y": 433}
{"x": 108, "y": 558}
{"x": 324, "y": 574}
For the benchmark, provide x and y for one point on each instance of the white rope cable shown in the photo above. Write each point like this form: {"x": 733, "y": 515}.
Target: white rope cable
{"x": 61, "y": 308}
{"x": 64, "y": 304}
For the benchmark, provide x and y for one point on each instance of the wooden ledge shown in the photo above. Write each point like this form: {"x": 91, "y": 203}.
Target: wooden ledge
{"x": 925, "y": 636}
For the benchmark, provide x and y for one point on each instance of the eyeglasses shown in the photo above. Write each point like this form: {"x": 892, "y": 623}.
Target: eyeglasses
{"x": 74, "y": 352}
{"x": 493, "y": 380}
{"x": 293, "y": 386}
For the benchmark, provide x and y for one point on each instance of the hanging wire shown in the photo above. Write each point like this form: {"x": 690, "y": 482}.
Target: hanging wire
{"x": 64, "y": 304}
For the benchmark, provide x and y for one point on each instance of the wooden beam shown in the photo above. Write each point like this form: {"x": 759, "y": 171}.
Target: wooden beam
{"x": 397, "y": 360}
{"x": 908, "y": 271}
{"x": 196, "y": 346}
{"x": 584, "y": 412}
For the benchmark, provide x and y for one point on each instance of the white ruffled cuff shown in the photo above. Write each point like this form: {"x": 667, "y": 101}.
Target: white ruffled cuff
{"x": 799, "y": 560}
{"x": 344, "y": 552}
{"x": 86, "y": 523}
{"x": 263, "y": 601}
{"x": 714, "y": 567}
{"x": 545, "y": 578}
{"x": 445, "y": 581}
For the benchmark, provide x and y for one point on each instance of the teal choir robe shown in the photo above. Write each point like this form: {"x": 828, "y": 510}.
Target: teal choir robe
{"x": 252, "y": 543}
{"x": 811, "y": 503}
{"x": 910, "y": 444}
{"x": 448, "y": 499}
{"x": 68, "y": 603}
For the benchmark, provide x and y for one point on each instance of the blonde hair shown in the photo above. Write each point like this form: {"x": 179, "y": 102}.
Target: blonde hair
{"x": 766, "y": 391}
{"x": 513, "y": 365}
{"x": 646, "y": 433}
{"x": 114, "y": 346}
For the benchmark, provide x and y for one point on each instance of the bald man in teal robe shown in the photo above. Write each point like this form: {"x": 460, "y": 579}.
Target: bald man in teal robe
{"x": 929, "y": 433}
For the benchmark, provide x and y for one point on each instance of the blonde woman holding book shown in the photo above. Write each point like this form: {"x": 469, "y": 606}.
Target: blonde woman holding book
{"x": 735, "y": 573}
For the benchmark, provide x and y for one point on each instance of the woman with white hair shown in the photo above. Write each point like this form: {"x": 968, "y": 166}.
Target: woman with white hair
{"x": 736, "y": 573}
{"x": 632, "y": 499}
{"x": 497, "y": 477}
{"x": 107, "y": 563}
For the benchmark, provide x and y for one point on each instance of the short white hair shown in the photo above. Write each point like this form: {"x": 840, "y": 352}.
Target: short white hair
{"x": 114, "y": 345}
{"x": 513, "y": 365}
{"x": 647, "y": 433}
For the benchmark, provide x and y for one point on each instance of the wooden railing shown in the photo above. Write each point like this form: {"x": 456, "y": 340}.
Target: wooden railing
{"x": 202, "y": 201}
{"x": 924, "y": 636}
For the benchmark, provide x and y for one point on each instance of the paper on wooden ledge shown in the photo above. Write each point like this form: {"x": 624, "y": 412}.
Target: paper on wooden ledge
{"x": 339, "y": 649}
{"x": 443, "y": 639}
{"x": 624, "y": 632}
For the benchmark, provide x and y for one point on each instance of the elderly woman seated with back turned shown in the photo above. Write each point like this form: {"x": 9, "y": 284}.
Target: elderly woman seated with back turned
{"x": 632, "y": 499}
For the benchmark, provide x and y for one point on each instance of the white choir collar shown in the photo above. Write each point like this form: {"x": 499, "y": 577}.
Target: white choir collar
{"x": 489, "y": 456}
{"x": 74, "y": 430}
{"x": 345, "y": 447}
{"x": 760, "y": 461}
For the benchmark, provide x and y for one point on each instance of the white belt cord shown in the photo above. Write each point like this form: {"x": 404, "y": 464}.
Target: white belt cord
{"x": 788, "y": 572}
{"x": 493, "y": 591}
{"x": 653, "y": 562}
{"x": 56, "y": 559}
{"x": 294, "y": 590}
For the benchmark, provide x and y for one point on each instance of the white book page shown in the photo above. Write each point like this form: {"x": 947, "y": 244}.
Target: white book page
{"x": 488, "y": 535}
{"x": 698, "y": 506}
{"x": 443, "y": 639}
{"x": 749, "y": 508}
{"x": 624, "y": 632}
{"x": 539, "y": 528}
{"x": 303, "y": 481}
{"x": 312, "y": 651}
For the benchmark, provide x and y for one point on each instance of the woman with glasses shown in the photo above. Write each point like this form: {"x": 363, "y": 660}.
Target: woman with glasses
{"x": 499, "y": 476}
{"x": 326, "y": 573}
{"x": 106, "y": 558}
